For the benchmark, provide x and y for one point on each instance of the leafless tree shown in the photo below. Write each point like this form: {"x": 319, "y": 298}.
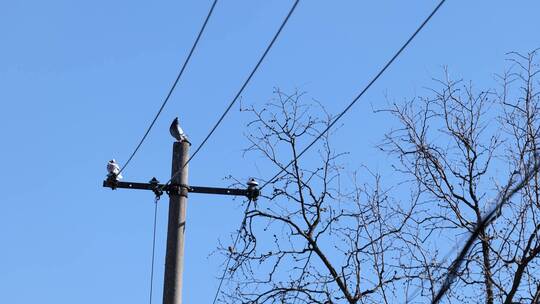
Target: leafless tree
{"x": 324, "y": 234}
{"x": 459, "y": 145}
{"x": 319, "y": 235}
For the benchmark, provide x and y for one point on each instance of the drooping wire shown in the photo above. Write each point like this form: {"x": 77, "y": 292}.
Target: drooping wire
{"x": 153, "y": 248}
{"x": 168, "y": 96}
{"x": 503, "y": 197}
{"x": 244, "y": 85}
{"x": 230, "y": 254}
{"x": 331, "y": 124}
{"x": 417, "y": 291}
{"x": 353, "y": 102}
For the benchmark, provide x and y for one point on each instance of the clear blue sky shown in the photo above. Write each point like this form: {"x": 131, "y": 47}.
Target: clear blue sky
{"x": 81, "y": 80}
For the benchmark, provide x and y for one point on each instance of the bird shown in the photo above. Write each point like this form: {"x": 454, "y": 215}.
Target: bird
{"x": 177, "y": 132}
{"x": 113, "y": 169}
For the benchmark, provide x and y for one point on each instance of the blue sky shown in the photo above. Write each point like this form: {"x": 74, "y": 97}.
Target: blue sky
{"x": 80, "y": 81}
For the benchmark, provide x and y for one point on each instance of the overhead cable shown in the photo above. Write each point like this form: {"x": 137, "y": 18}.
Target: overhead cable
{"x": 364, "y": 90}
{"x": 244, "y": 85}
{"x": 175, "y": 83}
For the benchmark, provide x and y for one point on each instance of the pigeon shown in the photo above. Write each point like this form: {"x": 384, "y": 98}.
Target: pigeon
{"x": 177, "y": 132}
{"x": 113, "y": 169}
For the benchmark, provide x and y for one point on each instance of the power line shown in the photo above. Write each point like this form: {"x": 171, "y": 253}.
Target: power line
{"x": 244, "y": 85}
{"x": 360, "y": 94}
{"x": 331, "y": 124}
{"x": 291, "y": 11}
{"x": 417, "y": 291}
{"x": 504, "y": 196}
{"x": 153, "y": 248}
{"x": 182, "y": 69}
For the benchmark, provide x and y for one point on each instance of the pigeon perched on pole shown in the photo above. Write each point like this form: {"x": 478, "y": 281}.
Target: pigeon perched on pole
{"x": 113, "y": 169}
{"x": 177, "y": 132}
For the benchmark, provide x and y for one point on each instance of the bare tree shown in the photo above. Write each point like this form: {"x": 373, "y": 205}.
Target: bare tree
{"x": 319, "y": 235}
{"x": 459, "y": 145}
{"x": 326, "y": 234}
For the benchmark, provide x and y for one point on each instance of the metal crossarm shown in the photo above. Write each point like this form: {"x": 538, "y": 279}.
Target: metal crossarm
{"x": 251, "y": 193}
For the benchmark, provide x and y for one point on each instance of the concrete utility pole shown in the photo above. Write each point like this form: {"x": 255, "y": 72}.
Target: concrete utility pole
{"x": 178, "y": 191}
{"x": 174, "y": 257}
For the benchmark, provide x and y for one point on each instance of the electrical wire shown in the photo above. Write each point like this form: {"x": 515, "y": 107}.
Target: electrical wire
{"x": 329, "y": 126}
{"x": 153, "y": 248}
{"x": 168, "y": 96}
{"x": 417, "y": 291}
{"x": 291, "y": 11}
{"x": 396, "y": 55}
{"x": 244, "y": 85}
{"x": 230, "y": 255}
{"x": 503, "y": 197}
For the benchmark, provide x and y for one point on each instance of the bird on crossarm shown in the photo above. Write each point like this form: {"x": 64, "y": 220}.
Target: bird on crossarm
{"x": 113, "y": 170}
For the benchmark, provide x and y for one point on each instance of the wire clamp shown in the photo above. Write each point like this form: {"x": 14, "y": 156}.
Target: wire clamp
{"x": 180, "y": 189}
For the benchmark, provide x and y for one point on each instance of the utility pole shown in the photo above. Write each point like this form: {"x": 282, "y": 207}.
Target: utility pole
{"x": 174, "y": 257}
{"x": 178, "y": 191}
